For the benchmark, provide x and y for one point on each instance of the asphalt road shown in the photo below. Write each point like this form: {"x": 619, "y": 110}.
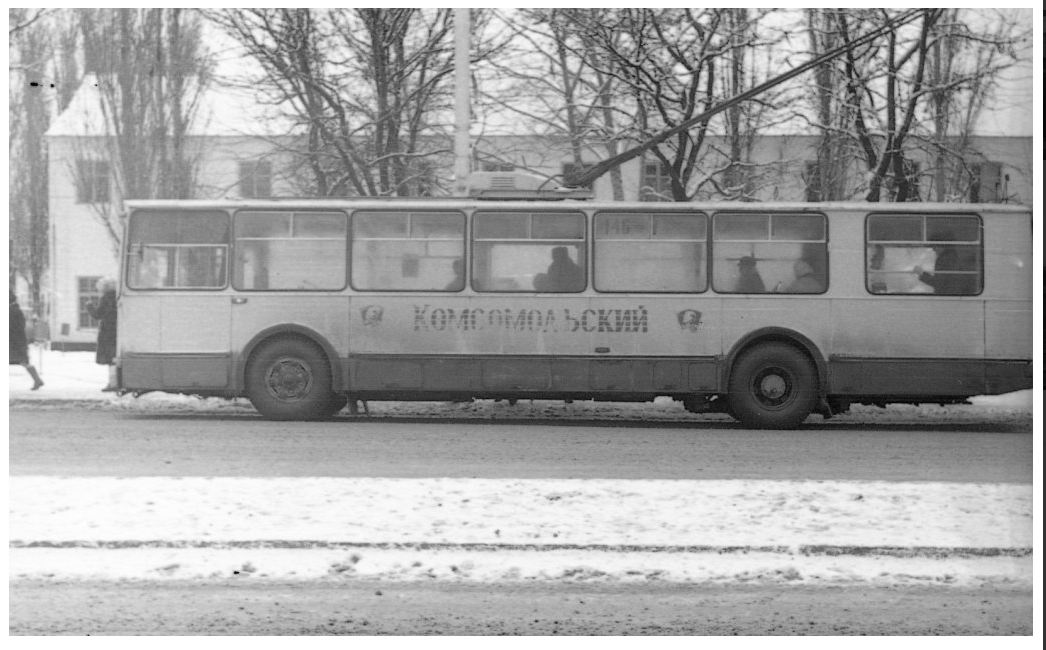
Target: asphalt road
{"x": 72, "y": 442}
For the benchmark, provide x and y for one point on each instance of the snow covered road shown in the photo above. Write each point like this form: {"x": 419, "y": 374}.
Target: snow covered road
{"x": 495, "y": 530}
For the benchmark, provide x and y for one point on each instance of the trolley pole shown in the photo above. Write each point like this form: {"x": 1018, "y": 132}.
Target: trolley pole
{"x": 462, "y": 116}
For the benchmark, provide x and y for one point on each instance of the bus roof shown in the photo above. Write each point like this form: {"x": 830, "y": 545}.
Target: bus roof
{"x": 365, "y": 203}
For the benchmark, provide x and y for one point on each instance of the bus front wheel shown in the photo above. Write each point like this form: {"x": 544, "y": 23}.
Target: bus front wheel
{"x": 772, "y": 386}
{"x": 289, "y": 379}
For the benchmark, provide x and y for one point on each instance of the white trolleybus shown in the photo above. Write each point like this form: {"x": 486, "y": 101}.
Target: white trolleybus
{"x": 768, "y": 312}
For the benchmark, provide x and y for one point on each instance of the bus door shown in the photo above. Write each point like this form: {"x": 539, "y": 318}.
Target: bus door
{"x": 172, "y": 326}
{"x": 653, "y": 324}
{"x": 288, "y": 271}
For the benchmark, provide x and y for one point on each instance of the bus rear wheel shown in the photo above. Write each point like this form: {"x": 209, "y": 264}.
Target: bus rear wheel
{"x": 289, "y": 379}
{"x": 772, "y": 386}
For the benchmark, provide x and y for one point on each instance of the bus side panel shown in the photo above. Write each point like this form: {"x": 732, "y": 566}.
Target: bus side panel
{"x": 1008, "y": 329}
{"x": 176, "y": 341}
{"x": 906, "y": 377}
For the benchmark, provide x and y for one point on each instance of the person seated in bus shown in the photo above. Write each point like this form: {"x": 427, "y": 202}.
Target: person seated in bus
{"x": 748, "y": 278}
{"x": 806, "y": 281}
{"x": 458, "y": 283}
{"x": 948, "y": 284}
{"x": 562, "y": 275}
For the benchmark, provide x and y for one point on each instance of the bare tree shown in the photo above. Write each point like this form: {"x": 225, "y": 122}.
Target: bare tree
{"x": 969, "y": 51}
{"x": 151, "y": 73}
{"x": 669, "y": 62}
{"x": 367, "y": 88}
{"x": 885, "y": 88}
{"x": 30, "y": 110}
{"x": 550, "y": 75}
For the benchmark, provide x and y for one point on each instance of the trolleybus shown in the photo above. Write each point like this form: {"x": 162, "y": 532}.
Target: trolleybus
{"x": 766, "y": 311}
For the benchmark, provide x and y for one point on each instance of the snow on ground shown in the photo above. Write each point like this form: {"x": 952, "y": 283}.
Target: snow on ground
{"x": 523, "y": 511}
{"x": 810, "y": 532}
{"x": 804, "y": 532}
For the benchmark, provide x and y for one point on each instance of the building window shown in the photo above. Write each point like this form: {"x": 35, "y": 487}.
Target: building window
{"x": 911, "y": 173}
{"x": 86, "y": 293}
{"x": 812, "y": 181}
{"x": 656, "y": 183}
{"x": 986, "y": 183}
{"x": 570, "y": 169}
{"x": 769, "y": 253}
{"x": 256, "y": 179}
{"x": 493, "y": 166}
{"x": 914, "y": 253}
{"x": 92, "y": 181}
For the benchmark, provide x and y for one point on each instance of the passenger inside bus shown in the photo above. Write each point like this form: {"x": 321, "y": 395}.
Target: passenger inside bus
{"x": 944, "y": 277}
{"x": 749, "y": 280}
{"x": 562, "y": 274}
{"x": 806, "y": 281}
{"x": 458, "y": 283}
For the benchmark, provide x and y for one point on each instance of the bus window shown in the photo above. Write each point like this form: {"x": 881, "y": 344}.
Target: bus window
{"x": 920, "y": 254}
{"x": 650, "y": 252}
{"x": 177, "y": 250}
{"x": 285, "y": 250}
{"x": 529, "y": 251}
{"x": 408, "y": 251}
{"x": 769, "y": 253}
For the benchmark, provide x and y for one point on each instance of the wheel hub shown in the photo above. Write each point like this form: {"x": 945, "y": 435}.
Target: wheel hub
{"x": 289, "y": 379}
{"x": 772, "y": 387}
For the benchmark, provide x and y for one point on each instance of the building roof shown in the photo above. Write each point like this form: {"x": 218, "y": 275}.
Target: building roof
{"x": 222, "y": 111}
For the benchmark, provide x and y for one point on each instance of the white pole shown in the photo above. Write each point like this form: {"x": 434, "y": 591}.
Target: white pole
{"x": 462, "y": 117}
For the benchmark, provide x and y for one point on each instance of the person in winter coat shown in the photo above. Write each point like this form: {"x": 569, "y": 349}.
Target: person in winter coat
{"x": 18, "y": 354}
{"x": 562, "y": 275}
{"x": 105, "y": 313}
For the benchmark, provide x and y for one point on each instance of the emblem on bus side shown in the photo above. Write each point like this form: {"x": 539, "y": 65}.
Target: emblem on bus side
{"x": 371, "y": 315}
{"x": 689, "y": 319}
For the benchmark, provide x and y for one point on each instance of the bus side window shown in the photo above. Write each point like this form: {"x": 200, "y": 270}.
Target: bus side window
{"x": 299, "y": 250}
{"x": 177, "y": 250}
{"x": 769, "y": 253}
{"x": 408, "y": 251}
{"x": 524, "y": 251}
{"x": 923, "y": 254}
{"x": 650, "y": 252}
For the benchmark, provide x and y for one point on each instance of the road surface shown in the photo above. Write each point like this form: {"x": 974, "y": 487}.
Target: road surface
{"x": 107, "y": 443}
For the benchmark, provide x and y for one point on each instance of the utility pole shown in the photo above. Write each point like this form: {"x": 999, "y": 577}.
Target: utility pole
{"x": 462, "y": 115}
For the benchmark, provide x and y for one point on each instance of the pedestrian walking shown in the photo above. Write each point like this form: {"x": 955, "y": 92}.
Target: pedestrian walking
{"x": 105, "y": 313}
{"x": 18, "y": 342}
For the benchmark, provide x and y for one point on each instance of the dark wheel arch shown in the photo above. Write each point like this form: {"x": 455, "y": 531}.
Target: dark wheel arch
{"x": 290, "y": 329}
{"x": 778, "y": 335}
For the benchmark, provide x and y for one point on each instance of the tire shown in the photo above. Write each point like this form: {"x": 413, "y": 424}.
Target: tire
{"x": 772, "y": 386}
{"x": 289, "y": 379}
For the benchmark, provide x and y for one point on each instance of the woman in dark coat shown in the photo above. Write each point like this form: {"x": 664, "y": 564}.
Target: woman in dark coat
{"x": 105, "y": 313}
{"x": 18, "y": 354}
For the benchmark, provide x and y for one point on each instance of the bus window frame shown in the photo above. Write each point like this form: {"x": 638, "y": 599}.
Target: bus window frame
{"x": 783, "y": 213}
{"x": 292, "y": 211}
{"x": 352, "y": 240}
{"x": 676, "y": 211}
{"x": 585, "y": 246}
{"x": 126, "y": 281}
{"x": 897, "y": 213}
